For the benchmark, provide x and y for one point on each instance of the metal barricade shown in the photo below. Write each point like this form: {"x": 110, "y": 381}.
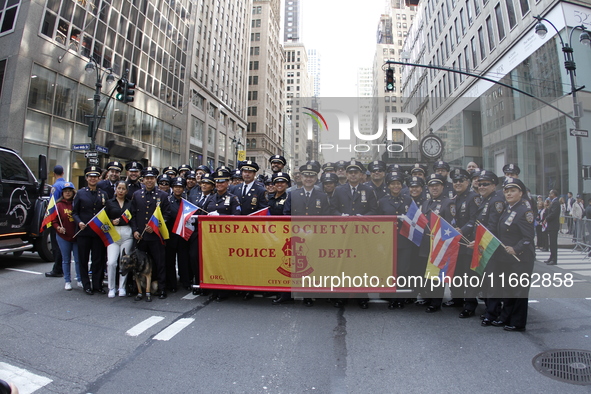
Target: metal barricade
{"x": 582, "y": 236}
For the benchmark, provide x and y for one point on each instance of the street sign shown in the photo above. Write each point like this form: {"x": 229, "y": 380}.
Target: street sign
{"x": 93, "y": 161}
{"x": 102, "y": 149}
{"x": 92, "y": 153}
{"x": 80, "y": 146}
{"x": 579, "y": 133}
{"x": 241, "y": 155}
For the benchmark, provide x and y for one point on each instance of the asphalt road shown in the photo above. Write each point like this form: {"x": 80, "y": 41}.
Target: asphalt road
{"x": 68, "y": 342}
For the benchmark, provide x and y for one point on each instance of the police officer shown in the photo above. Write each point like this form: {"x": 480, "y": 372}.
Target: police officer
{"x": 222, "y": 202}
{"x": 419, "y": 170}
{"x": 329, "y": 168}
{"x": 183, "y": 170}
{"x": 133, "y": 169}
{"x": 442, "y": 168}
{"x": 512, "y": 171}
{"x": 474, "y": 180}
{"x": 377, "y": 171}
{"x": 395, "y": 203}
{"x": 164, "y": 183}
{"x": 277, "y": 199}
{"x": 251, "y": 194}
{"x": 114, "y": 169}
{"x": 416, "y": 187}
{"x": 192, "y": 191}
{"x": 88, "y": 202}
{"x": 143, "y": 205}
{"x": 516, "y": 232}
{"x": 329, "y": 181}
{"x": 341, "y": 171}
{"x": 307, "y": 200}
{"x": 177, "y": 248}
{"x": 465, "y": 206}
{"x": 443, "y": 206}
{"x": 170, "y": 171}
{"x": 236, "y": 177}
{"x": 492, "y": 204}
{"x": 277, "y": 162}
{"x": 200, "y": 170}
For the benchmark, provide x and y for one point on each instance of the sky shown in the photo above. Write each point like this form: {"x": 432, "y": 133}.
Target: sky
{"x": 345, "y": 34}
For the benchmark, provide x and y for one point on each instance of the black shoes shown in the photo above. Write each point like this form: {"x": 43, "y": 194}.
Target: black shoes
{"x": 162, "y": 295}
{"x": 486, "y": 322}
{"x": 308, "y": 302}
{"x": 282, "y": 300}
{"x": 248, "y": 296}
{"x": 100, "y": 291}
{"x": 338, "y": 304}
{"x": 422, "y": 302}
{"x": 498, "y": 323}
{"x": 89, "y": 291}
{"x": 52, "y": 274}
{"x": 514, "y": 328}
{"x": 550, "y": 262}
{"x": 466, "y": 313}
{"x": 453, "y": 303}
{"x": 363, "y": 304}
{"x": 396, "y": 305}
{"x": 432, "y": 309}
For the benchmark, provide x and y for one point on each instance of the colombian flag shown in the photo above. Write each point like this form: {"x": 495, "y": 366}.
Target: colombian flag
{"x": 50, "y": 214}
{"x": 101, "y": 224}
{"x": 157, "y": 224}
{"x": 485, "y": 244}
{"x": 126, "y": 216}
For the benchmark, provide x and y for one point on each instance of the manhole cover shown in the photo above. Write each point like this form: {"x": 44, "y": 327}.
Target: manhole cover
{"x": 566, "y": 365}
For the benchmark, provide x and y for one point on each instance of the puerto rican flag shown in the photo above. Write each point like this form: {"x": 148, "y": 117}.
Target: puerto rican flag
{"x": 186, "y": 210}
{"x": 445, "y": 245}
{"x": 413, "y": 224}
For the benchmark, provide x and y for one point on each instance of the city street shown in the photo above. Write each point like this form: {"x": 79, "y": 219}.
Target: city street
{"x": 57, "y": 341}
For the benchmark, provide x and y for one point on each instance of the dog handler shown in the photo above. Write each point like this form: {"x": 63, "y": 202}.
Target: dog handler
{"x": 116, "y": 208}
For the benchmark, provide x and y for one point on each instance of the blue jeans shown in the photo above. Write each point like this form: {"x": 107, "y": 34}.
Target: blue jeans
{"x": 67, "y": 248}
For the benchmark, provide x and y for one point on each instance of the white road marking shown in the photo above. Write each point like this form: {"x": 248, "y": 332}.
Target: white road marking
{"x": 143, "y": 326}
{"x": 190, "y": 296}
{"x": 173, "y": 329}
{"x": 533, "y": 301}
{"x": 25, "y": 271}
{"x": 26, "y": 382}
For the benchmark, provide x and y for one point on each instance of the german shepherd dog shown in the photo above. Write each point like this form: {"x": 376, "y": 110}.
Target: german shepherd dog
{"x": 140, "y": 264}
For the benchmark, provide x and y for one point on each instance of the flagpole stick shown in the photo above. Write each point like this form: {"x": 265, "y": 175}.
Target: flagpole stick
{"x": 86, "y": 224}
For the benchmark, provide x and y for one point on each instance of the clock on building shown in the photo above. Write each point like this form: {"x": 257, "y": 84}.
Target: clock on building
{"x": 431, "y": 146}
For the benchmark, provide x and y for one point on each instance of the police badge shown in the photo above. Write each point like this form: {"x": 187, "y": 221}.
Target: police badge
{"x": 318, "y": 204}
{"x": 254, "y": 201}
{"x": 227, "y": 201}
{"x": 529, "y": 216}
{"x": 363, "y": 196}
{"x": 452, "y": 209}
{"x": 499, "y": 206}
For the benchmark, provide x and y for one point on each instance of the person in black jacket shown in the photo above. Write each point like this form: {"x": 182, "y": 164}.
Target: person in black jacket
{"x": 89, "y": 201}
{"x": 177, "y": 248}
{"x": 133, "y": 169}
{"x": 552, "y": 221}
{"x": 143, "y": 205}
{"x": 114, "y": 169}
{"x": 251, "y": 193}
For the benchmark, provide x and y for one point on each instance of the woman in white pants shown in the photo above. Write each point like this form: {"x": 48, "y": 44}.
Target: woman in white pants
{"x": 117, "y": 209}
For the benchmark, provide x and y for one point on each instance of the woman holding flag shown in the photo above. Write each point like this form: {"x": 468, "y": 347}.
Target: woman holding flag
{"x": 65, "y": 228}
{"x": 118, "y": 212}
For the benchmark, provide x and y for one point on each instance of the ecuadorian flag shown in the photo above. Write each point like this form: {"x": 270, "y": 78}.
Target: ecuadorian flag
{"x": 126, "y": 216}
{"x": 485, "y": 244}
{"x": 157, "y": 224}
{"x": 101, "y": 224}
{"x": 50, "y": 214}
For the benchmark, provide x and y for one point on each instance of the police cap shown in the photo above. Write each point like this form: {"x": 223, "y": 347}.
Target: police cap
{"x": 460, "y": 173}
{"x": 115, "y": 165}
{"x": 133, "y": 166}
{"x": 221, "y": 175}
{"x": 164, "y": 178}
{"x": 277, "y": 158}
{"x": 376, "y": 165}
{"x": 184, "y": 167}
{"x": 236, "y": 174}
{"x": 170, "y": 170}
{"x": 394, "y": 176}
{"x": 329, "y": 177}
{"x": 488, "y": 176}
{"x": 511, "y": 169}
{"x": 415, "y": 181}
{"x": 341, "y": 164}
{"x": 418, "y": 168}
{"x": 434, "y": 179}
{"x": 441, "y": 165}
{"x": 281, "y": 177}
{"x": 150, "y": 171}
{"x": 514, "y": 182}
{"x": 310, "y": 169}
{"x": 203, "y": 168}
{"x": 178, "y": 181}
{"x": 393, "y": 168}
{"x": 330, "y": 166}
{"x": 248, "y": 165}
{"x": 93, "y": 171}
{"x": 191, "y": 175}
{"x": 208, "y": 178}
{"x": 355, "y": 165}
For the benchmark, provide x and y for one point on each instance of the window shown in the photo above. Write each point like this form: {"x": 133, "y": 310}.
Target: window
{"x": 457, "y": 30}
{"x": 463, "y": 21}
{"x": 257, "y": 10}
{"x": 469, "y": 11}
{"x": 8, "y": 11}
{"x": 211, "y": 110}
{"x": 253, "y": 95}
{"x": 491, "y": 34}
{"x": 253, "y": 65}
{"x": 256, "y": 23}
{"x": 254, "y": 51}
{"x": 477, "y": 7}
{"x": 252, "y": 111}
{"x": 481, "y": 43}
{"x": 253, "y": 80}
{"x": 511, "y": 13}
{"x": 467, "y": 58}
{"x": 252, "y": 127}
{"x": 474, "y": 55}
{"x": 13, "y": 169}
{"x": 255, "y": 36}
{"x": 500, "y": 24}
{"x": 451, "y": 38}
{"x": 524, "y": 7}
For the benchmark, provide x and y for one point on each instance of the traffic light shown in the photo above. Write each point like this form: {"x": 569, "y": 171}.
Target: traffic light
{"x": 390, "y": 80}
{"x": 129, "y": 92}
{"x": 121, "y": 84}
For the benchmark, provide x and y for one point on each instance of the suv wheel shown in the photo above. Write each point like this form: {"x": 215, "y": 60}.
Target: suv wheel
{"x": 43, "y": 246}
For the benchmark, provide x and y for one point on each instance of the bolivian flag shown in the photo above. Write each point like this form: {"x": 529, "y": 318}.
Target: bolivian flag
{"x": 101, "y": 224}
{"x": 158, "y": 225}
{"x": 485, "y": 244}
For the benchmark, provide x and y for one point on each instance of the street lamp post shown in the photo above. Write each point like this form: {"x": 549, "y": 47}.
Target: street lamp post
{"x": 94, "y": 123}
{"x": 237, "y": 144}
{"x": 570, "y": 66}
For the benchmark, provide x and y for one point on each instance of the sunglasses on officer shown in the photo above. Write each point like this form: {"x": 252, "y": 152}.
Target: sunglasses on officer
{"x": 484, "y": 184}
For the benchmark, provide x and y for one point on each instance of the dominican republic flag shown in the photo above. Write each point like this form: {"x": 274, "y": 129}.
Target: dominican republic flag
{"x": 413, "y": 224}
{"x": 186, "y": 210}
{"x": 445, "y": 245}
{"x": 50, "y": 214}
{"x": 157, "y": 224}
{"x": 261, "y": 212}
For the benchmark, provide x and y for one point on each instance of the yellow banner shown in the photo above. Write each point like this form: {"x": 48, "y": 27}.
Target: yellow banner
{"x": 283, "y": 253}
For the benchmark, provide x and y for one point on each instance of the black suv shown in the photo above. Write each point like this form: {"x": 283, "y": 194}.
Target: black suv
{"x": 22, "y": 206}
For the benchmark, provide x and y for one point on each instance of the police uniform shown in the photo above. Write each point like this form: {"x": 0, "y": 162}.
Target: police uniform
{"x": 379, "y": 190}
{"x": 516, "y": 229}
{"x": 328, "y": 177}
{"x": 143, "y": 205}
{"x": 254, "y": 199}
{"x": 465, "y": 216}
{"x": 299, "y": 203}
{"x": 177, "y": 248}
{"x": 106, "y": 185}
{"x": 87, "y": 204}
{"x": 224, "y": 204}
{"x": 277, "y": 203}
{"x": 398, "y": 205}
{"x": 448, "y": 187}
{"x": 133, "y": 186}
{"x": 277, "y": 159}
{"x": 193, "y": 194}
{"x": 444, "y": 207}
{"x": 360, "y": 202}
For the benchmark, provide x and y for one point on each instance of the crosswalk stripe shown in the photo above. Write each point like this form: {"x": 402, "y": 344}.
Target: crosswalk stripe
{"x": 190, "y": 296}
{"x": 25, "y": 271}
{"x": 143, "y": 326}
{"x": 173, "y": 329}
{"x": 26, "y": 382}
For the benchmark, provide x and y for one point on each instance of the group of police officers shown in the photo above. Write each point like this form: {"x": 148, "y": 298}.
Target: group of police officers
{"x": 474, "y": 196}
